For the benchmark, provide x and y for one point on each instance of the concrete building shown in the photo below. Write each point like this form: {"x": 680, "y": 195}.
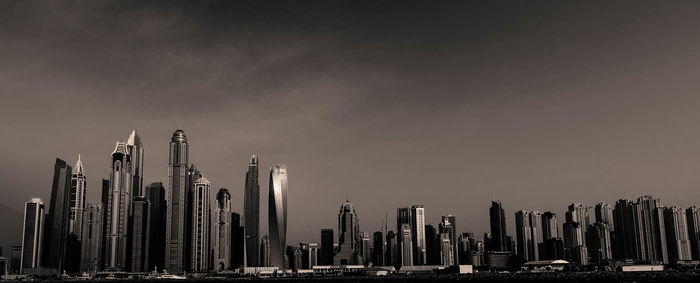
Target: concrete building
{"x": 221, "y": 231}
{"x": 200, "y": 226}
{"x": 91, "y": 244}
{"x": 176, "y": 197}
{"x": 32, "y": 235}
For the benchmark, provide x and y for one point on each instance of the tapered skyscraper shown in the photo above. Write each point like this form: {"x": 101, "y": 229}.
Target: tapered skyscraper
{"x": 498, "y": 227}
{"x": 78, "y": 184}
{"x": 251, "y": 213}
{"x": 278, "y": 214}
{"x": 175, "y": 198}
{"x": 119, "y": 210}
{"x": 136, "y": 151}
{"x": 348, "y": 235}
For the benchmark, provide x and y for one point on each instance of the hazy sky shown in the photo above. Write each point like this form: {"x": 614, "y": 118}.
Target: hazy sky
{"x": 445, "y": 104}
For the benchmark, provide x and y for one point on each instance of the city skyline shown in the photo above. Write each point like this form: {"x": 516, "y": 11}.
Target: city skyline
{"x": 539, "y": 105}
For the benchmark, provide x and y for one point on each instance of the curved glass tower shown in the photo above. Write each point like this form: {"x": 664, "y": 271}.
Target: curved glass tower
{"x": 278, "y": 214}
{"x": 175, "y": 198}
{"x": 251, "y": 213}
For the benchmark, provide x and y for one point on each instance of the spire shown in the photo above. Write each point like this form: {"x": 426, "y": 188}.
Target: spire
{"x": 78, "y": 169}
{"x": 134, "y": 138}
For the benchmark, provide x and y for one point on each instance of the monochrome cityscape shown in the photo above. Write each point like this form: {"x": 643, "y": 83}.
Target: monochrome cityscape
{"x": 187, "y": 226}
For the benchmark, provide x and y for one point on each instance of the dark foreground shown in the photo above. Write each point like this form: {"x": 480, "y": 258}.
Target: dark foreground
{"x": 637, "y": 277}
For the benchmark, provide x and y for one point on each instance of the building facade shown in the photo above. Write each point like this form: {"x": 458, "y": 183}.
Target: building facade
{"x": 78, "y": 184}
{"x": 91, "y": 243}
{"x": 677, "y": 236}
{"x": 200, "y": 226}
{"x": 221, "y": 231}
{"x": 327, "y": 252}
{"x": 119, "y": 210}
{"x": 348, "y": 235}
{"x": 498, "y": 227}
{"x": 58, "y": 220}
{"x": 140, "y": 235}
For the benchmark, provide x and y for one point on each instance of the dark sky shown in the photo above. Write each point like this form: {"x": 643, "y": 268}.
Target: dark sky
{"x": 446, "y": 104}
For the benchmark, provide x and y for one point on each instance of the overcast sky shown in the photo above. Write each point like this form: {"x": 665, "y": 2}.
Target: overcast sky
{"x": 445, "y": 104}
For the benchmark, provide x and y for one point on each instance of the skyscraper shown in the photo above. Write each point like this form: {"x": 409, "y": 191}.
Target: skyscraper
{"x": 446, "y": 255}
{"x": 265, "y": 251}
{"x": 119, "y": 210}
{"x": 32, "y": 234}
{"x": 379, "y": 248}
{"x": 392, "y": 250}
{"x": 221, "y": 231}
{"x": 598, "y": 242}
{"x": 251, "y": 212}
{"x": 466, "y": 243}
{"x": 140, "y": 234}
{"x": 278, "y": 214}
{"x": 78, "y": 186}
{"x": 58, "y": 220}
{"x": 603, "y": 213}
{"x": 406, "y": 245}
{"x": 91, "y": 244}
{"x": 193, "y": 174}
{"x": 498, "y": 227}
{"x": 348, "y": 235}
{"x": 418, "y": 233}
{"x": 135, "y": 149}
{"x": 155, "y": 192}
{"x": 403, "y": 216}
{"x": 432, "y": 245}
{"x": 693, "y": 219}
{"x": 549, "y": 225}
{"x": 175, "y": 195}
{"x": 676, "y": 225}
{"x": 365, "y": 249}
{"x": 449, "y": 225}
{"x": 523, "y": 232}
{"x": 237, "y": 241}
{"x": 200, "y": 226}
{"x": 327, "y": 252}
{"x": 575, "y": 249}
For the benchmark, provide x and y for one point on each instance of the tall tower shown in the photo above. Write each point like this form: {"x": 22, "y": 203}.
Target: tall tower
{"x": 58, "y": 222}
{"x": 32, "y": 234}
{"x": 78, "y": 184}
{"x": 406, "y": 245}
{"x": 676, "y": 223}
{"x": 278, "y": 214}
{"x": 418, "y": 234}
{"x": 200, "y": 226}
{"x": 327, "y": 252}
{"x": 498, "y": 227}
{"x": 221, "y": 231}
{"x": 136, "y": 151}
{"x": 348, "y": 233}
{"x": 155, "y": 192}
{"x": 91, "y": 245}
{"x": 175, "y": 196}
{"x": 119, "y": 210}
{"x": 140, "y": 234}
{"x": 251, "y": 212}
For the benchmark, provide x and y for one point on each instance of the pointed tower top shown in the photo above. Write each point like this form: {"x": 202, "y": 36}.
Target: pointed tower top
{"x": 78, "y": 169}
{"x": 134, "y": 139}
{"x": 254, "y": 159}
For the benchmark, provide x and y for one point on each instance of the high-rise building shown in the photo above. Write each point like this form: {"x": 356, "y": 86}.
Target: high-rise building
{"x": 466, "y": 244}
{"x": 348, "y": 235}
{"x": 379, "y": 248}
{"x": 221, "y": 231}
{"x": 327, "y": 252}
{"x": 432, "y": 245}
{"x": 498, "y": 227}
{"x": 678, "y": 241}
{"x": 58, "y": 220}
{"x": 693, "y": 219}
{"x": 310, "y": 256}
{"x": 553, "y": 249}
{"x": 155, "y": 192}
{"x": 603, "y": 213}
{"x": 406, "y": 245}
{"x": 278, "y": 214}
{"x": 578, "y": 213}
{"x": 193, "y": 174}
{"x": 418, "y": 234}
{"x": 654, "y": 231}
{"x": 119, "y": 210}
{"x": 175, "y": 196}
{"x": 265, "y": 251}
{"x": 237, "y": 241}
{"x": 365, "y": 249}
{"x": 32, "y": 235}
{"x": 640, "y": 232}
{"x": 105, "y": 202}
{"x": 449, "y": 225}
{"x": 392, "y": 250}
{"x": 574, "y": 248}
{"x": 16, "y": 259}
{"x": 91, "y": 244}
{"x": 403, "y": 216}
{"x": 78, "y": 186}
{"x": 200, "y": 226}
{"x": 446, "y": 256}
{"x": 549, "y": 225}
{"x": 523, "y": 232}
{"x": 251, "y": 212}
{"x": 140, "y": 234}
{"x": 598, "y": 242}
{"x": 135, "y": 149}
